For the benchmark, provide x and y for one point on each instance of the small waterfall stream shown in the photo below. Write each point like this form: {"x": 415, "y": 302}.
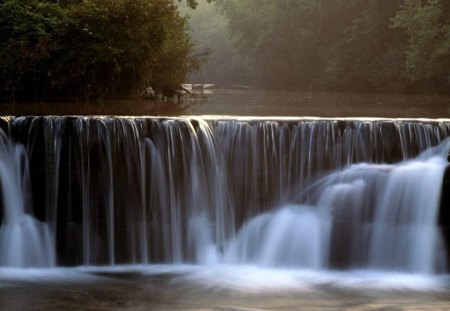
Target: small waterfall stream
{"x": 302, "y": 193}
{"x": 24, "y": 241}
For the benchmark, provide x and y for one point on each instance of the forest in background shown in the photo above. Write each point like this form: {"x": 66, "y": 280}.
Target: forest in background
{"x": 332, "y": 45}
{"x": 60, "y": 50}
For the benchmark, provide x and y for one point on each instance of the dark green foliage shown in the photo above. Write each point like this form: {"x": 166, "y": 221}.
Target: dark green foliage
{"x": 357, "y": 45}
{"x": 191, "y": 3}
{"x": 29, "y": 31}
{"x": 428, "y": 53}
{"x": 92, "y": 49}
{"x": 364, "y": 54}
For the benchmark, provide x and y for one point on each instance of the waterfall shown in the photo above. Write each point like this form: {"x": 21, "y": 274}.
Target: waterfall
{"x": 294, "y": 236}
{"x": 24, "y": 241}
{"x": 297, "y": 193}
{"x": 375, "y": 215}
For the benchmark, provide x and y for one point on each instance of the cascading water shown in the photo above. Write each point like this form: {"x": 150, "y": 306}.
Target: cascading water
{"x": 372, "y": 215}
{"x": 294, "y": 236}
{"x": 314, "y": 194}
{"x": 24, "y": 241}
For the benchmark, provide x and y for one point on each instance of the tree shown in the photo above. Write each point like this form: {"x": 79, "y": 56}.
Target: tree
{"x": 317, "y": 44}
{"x": 30, "y": 33}
{"x": 363, "y": 53}
{"x": 428, "y": 53}
{"x": 115, "y": 48}
{"x": 92, "y": 49}
{"x": 345, "y": 45}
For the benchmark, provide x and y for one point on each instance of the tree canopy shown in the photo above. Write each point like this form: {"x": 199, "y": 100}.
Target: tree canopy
{"x": 59, "y": 50}
{"x": 356, "y": 45}
{"x": 88, "y": 49}
{"x": 428, "y": 53}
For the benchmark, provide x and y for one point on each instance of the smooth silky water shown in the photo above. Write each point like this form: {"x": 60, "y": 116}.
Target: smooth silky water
{"x": 206, "y": 213}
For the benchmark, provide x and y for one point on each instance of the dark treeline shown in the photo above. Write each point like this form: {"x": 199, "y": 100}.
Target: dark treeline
{"x": 339, "y": 45}
{"x": 90, "y": 49}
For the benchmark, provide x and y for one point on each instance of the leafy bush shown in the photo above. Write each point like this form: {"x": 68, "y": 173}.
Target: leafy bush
{"x": 428, "y": 54}
{"x": 92, "y": 48}
{"x": 29, "y": 32}
{"x": 342, "y": 45}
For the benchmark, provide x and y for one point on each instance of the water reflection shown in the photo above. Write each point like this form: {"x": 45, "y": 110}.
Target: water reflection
{"x": 252, "y": 102}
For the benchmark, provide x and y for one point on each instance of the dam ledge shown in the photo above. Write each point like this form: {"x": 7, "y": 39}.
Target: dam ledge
{"x": 229, "y": 118}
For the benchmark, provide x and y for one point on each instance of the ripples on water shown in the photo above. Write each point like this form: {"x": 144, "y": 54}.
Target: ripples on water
{"x": 223, "y": 287}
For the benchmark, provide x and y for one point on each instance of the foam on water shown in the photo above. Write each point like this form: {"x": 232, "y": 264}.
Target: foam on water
{"x": 257, "y": 279}
{"x": 10, "y": 277}
{"x": 239, "y": 278}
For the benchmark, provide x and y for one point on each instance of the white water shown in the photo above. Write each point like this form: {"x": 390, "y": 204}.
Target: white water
{"x": 294, "y": 236}
{"x": 24, "y": 241}
{"x": 240, "y": 278}
{"x": 175, "y": 191}
{"x": 401, "y": 235}
{"x": 405, "y": 236}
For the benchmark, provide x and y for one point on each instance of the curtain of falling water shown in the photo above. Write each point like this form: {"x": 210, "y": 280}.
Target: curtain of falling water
{"x": 120, "y": 190}
{"x": 24, "y": 241}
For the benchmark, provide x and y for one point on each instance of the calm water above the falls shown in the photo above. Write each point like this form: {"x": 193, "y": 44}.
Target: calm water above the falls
{"x": 254, "y": 102}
